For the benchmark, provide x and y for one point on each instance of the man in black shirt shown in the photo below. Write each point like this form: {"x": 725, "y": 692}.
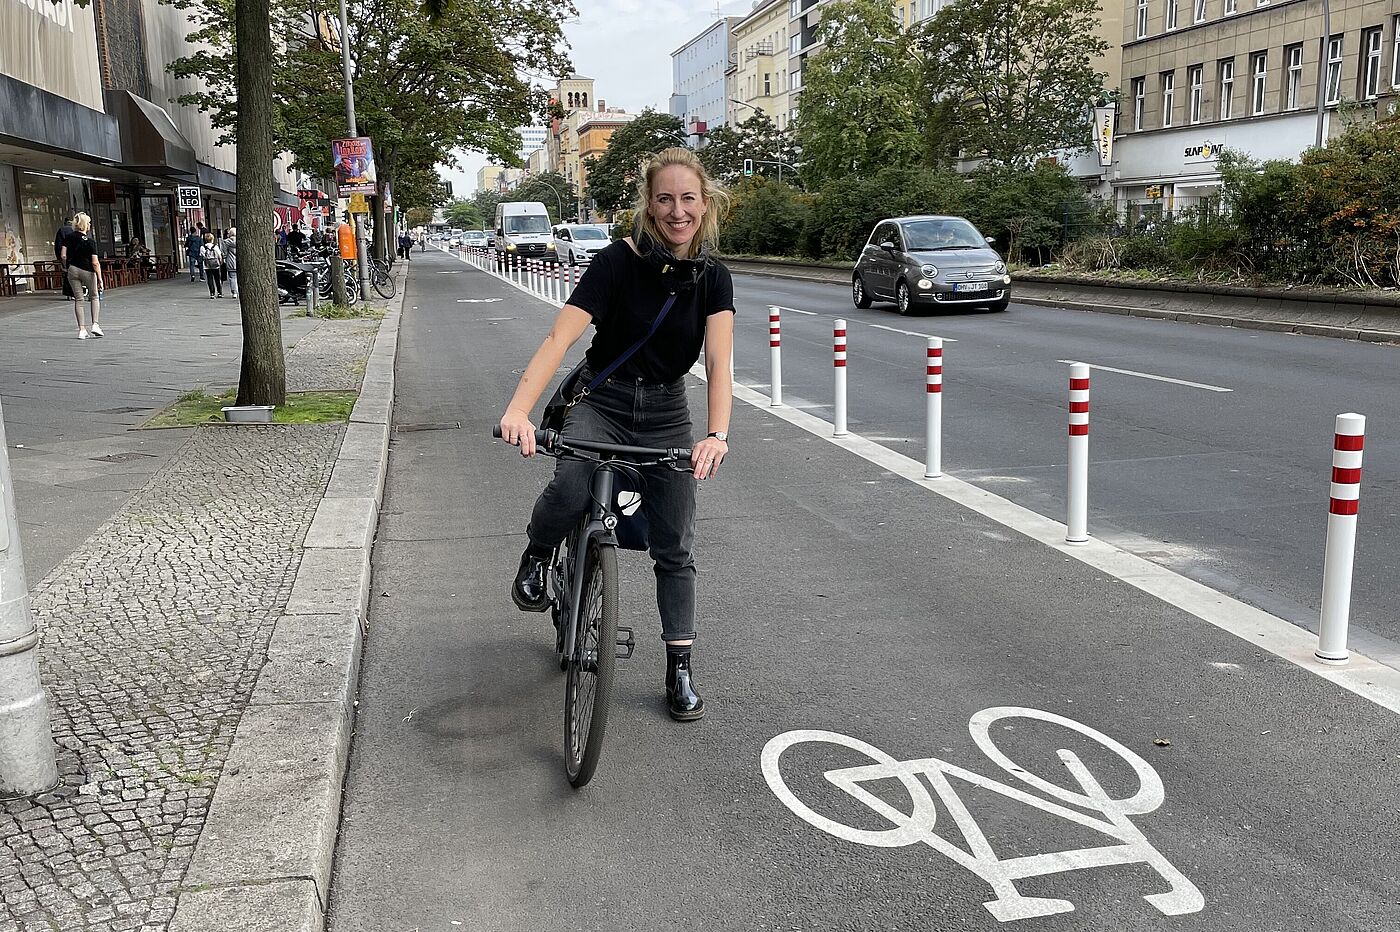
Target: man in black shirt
{"x": 64, "y": 231}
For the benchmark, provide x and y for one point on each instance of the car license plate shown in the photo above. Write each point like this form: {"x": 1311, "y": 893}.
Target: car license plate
{"x": 971, "y": 286}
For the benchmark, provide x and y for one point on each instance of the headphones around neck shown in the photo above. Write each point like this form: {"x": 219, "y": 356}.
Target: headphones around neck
{"x": 678, "y": 274}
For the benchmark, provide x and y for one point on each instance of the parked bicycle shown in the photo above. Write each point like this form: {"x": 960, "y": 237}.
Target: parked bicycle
{"x": 380, "y": 277}
{"x": 583, "y": 589}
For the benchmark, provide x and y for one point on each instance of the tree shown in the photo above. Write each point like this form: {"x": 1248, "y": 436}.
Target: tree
{"x": 612, "y": 179}
{"x": 756, "y": 138}
{"x": 416, "y": 217}
{"x": 464, "y": 214}
{"x": 486, "y": 202}
{"x": 552, "y": 190}
{"x": 1016, "y": 76}
{"x": 859, "y": 111}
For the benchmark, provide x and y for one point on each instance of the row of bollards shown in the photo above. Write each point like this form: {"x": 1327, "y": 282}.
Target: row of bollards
{"x": 548, "y": 280}
{"x": 1348, "y": 441}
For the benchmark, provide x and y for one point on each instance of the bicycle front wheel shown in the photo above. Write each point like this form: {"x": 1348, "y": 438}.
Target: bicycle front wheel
{"x": 588, "y": 686}
{"x": 383, "y": 282}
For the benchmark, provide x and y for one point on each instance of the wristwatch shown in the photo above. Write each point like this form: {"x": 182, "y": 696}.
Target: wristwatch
{"x": 719, "y": 435}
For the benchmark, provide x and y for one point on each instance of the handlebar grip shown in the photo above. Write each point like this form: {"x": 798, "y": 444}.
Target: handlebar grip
{"x": 496, "y": 432}
{"x": 544, "y": 439}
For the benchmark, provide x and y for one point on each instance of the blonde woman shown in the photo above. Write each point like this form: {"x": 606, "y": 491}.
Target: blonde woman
{"x": 644, "y": 402}
{"x": 84, "y": 274}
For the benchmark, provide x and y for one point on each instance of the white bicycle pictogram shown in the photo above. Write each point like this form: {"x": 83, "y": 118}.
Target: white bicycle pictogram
{"x": 1001, "y": 874}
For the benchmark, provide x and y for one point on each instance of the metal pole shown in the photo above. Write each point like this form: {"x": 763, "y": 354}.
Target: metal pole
{"x": 838, "y": 359}
{"x": 1322, "y": 68}
{"x": 933, "y": 412}
{"x": 27, "y": 762}
{"x": 1348, "y": 439}
{"x": 360, "y": 263}
{"x": 1077, "y": 522}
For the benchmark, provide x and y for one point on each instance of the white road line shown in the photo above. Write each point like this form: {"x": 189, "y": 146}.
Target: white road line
{"x": 1148, "y": 375}
{"x": 1363, "y": 676}
{"x": 912, "y": 333}
{"x": 795, "y": 310}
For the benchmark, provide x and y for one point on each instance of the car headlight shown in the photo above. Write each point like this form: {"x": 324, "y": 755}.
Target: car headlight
{"x": 510, "y": 247}
{"x": 999, "y": 268}
{"x": 929, "y": 271}
{"x": 925, "y": 284}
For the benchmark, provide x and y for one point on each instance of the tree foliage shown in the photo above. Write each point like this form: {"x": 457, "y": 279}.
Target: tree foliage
{"x": 766, "y": 218}
{"x": 756, "y": 138}
{"x": 612, "y": 178}
{"x": 1015, "y": 78}
{"x": 465, "y": 214}
{"x": 552, "y": 190}
{"x": 858, "y": 110}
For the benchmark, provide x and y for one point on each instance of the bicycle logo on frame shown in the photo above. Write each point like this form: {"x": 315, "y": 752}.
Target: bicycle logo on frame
{"x": 1092, "y": 808}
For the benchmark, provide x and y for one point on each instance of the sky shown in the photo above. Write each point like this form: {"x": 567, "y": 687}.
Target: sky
{"x": 625, "y": 46}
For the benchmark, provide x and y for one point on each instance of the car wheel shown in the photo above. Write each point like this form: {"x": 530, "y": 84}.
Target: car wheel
{"x": 858, "y": 295}
{"x": 999, "y": 305}
{"x": 901, "y": 298}
{"x": 573, "y": 259}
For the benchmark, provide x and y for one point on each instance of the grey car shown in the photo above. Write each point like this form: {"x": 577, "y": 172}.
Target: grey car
{"x": 930, "y": 261}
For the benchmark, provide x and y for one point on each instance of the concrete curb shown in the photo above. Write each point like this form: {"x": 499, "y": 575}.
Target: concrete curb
{"x": 263, "y": 860}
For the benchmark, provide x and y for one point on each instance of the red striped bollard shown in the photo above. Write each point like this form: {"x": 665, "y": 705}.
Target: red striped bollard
{"x": 838, "y": 358}
{"x": 775, "y": 355}
{"x": 1077, "y": 522}
{"x": 1349, "y": 438}
{"x": 933, "y": 413}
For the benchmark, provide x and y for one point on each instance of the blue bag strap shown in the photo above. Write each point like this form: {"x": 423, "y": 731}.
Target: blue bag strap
{"x": 599, "y": 379}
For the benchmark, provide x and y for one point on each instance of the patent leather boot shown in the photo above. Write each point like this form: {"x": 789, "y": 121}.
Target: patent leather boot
{"x": 529, "y": 592}
{"x": 684, "y": 703}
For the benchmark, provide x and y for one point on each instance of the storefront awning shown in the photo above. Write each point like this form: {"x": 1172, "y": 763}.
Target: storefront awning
{"x": 150, "y": 141}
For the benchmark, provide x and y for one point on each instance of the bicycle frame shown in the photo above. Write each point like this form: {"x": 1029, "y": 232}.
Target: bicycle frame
{"x": 597, "y": 525}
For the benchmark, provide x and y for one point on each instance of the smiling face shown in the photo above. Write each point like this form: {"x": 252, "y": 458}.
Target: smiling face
{"x": 677, "y": 204}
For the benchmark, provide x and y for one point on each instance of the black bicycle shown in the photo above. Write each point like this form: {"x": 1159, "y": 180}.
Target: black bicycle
{"x": 583, "y": 591}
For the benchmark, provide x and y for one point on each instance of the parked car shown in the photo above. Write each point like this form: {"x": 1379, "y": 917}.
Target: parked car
{"x": 475, "y": 238}
{"x": 930, "y": 261}
{"x": 579, "y": 242}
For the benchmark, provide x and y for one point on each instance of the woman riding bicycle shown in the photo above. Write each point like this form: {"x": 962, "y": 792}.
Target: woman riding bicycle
{"x": 643, "y": 403}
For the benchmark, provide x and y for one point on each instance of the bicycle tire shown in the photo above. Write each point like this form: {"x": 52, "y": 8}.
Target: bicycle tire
{"x": 586, "y": 712}
{"x": 384, "y": 283}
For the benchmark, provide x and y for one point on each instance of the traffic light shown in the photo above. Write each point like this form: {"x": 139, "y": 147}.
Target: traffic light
{"x": 748, "y": 168}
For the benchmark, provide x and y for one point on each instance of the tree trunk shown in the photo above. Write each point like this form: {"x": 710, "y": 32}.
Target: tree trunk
{"x": 338, "y": 280}
{"x": 376, "y": 214}
{"x": 263, "y": 378}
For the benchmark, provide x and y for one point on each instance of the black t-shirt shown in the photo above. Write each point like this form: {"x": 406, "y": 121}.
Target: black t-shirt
{"x": 81, "y": 249}
{"x": 624, "y": 292}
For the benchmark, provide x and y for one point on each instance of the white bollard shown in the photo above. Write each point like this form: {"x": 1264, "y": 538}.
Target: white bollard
{"x": 838, "y": 358}
{"x": 775, "y": 355}
{"x": 1077, "y": 523}
{"x": 558, "y": 284}
{"x": 1349, "y": 438}
{"x": 933, "y": 413}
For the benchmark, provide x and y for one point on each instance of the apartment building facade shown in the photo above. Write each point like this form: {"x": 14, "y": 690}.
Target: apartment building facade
{"x": 1202, "y": 76}
{"x": 759, "y": 80}
{"x": 700, "y": 75}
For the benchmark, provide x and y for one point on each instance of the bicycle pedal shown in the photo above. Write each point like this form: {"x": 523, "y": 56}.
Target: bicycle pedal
{"x": 625, "y": 642}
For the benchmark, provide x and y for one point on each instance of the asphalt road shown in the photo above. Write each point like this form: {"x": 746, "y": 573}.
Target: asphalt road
{"x": 834, "y": 597}
{"x": 1227, "y": 487}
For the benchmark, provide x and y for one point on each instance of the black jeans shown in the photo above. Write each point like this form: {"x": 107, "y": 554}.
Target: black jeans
{"x": 645, "y": 415}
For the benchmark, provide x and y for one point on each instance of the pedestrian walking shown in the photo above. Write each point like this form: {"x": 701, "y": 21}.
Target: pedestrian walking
{"x": 84, "y": 275}
{"x": 192, "y": 244}
{"x": 65, "y": 230}
{"x": 296, "y": 240}
{"x": 211, "y": 257}
{"x": 655, "y": 299}
{"x": 230, "y": 250}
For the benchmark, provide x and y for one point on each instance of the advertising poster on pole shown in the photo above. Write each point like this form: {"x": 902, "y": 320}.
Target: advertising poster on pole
{"x": 354, "y": 165}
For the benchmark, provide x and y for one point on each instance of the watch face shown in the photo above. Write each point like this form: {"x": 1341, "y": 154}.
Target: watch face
{"x": 721, "y": 435}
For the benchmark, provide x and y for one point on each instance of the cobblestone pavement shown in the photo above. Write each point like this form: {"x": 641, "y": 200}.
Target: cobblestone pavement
{"x": 154, "y": 634}
{"x": 331, "y": 357}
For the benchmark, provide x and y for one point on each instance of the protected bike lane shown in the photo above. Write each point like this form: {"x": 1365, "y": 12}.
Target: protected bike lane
{"x": 917, "y": 717}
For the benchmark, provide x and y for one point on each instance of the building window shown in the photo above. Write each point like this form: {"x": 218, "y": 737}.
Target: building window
{"x": 1259, "y": 65}
{"x": 1194, "y": 75}
{"x": 794, "y": 9}
{"x": 795, "y": 44}
{"x": 795, "y": 81}
{"x": 767, "y": 84}
{"x": 1139, "y": 101}
{"x": 1168, "y": 96}
{"x": 1334, "y": 69}
{"x": 1227, "y": 87}
{"x": 1395, "y": 54}
{"x": 1371, "y": 65}
{"x": 1142, "y": 19}
{"x": 1200, "y": 14}
{"x": 1171, "y": 14}
{"x": 1231, "y": 7}
{"x": 1294, "y": 54}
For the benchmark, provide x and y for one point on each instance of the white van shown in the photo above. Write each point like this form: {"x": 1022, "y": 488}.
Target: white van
{"x": 579, "y": 242}
{"x": 522, "y": 229}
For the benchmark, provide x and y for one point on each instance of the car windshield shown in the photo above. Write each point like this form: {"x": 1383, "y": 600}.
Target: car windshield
{"x": 589, "y": 233}
{"x": 527, "y": 223}
{"x": 942, "y": 234}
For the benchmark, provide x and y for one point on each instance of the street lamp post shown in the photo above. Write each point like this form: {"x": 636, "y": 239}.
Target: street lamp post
{"x": 1322, "y": 68}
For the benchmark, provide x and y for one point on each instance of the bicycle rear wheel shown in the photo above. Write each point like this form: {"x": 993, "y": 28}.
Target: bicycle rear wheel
{"x": 588, "y": 686}
{"x": 383, "y": 282}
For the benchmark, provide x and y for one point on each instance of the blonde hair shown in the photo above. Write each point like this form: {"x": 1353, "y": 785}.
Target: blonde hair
{"x": 82, "y": 222}
{"x": 208, "y": 238}
{"x": 715, "y": 196}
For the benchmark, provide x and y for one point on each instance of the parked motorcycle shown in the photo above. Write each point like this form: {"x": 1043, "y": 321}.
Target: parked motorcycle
{"x": 294, "y": 279}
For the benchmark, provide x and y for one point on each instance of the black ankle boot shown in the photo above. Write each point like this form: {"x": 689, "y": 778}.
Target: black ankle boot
{"x": 684, "y": 702}
{"x": 529, "y": 592}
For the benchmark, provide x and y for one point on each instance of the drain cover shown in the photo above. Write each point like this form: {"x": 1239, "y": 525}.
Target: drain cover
{"x": 121, "y": 457}
{"x": 432, "y": 425}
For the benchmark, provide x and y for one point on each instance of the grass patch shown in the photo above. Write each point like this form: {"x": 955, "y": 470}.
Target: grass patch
{"x": 359, "y": 311}
{"x": 199, "y": 407}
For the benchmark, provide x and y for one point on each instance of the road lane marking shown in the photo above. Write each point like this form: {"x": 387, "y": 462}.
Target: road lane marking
{"x": 912, "y": 333}
{"x": 1148, "y": 375}
{"x": 1364, "y": 676}
{"x": 978, "y": 856}
{"x": 795, "y": 310}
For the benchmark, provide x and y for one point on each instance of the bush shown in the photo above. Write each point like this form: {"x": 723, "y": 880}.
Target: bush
{"x": 622, "y": 225}
{"x": 766, "y": 218}
{"x": 1030, "y": 214}
{"x": 846, "y": 210}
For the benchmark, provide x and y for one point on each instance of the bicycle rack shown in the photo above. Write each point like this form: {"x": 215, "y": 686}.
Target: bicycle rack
{"x": 625, "y": 642}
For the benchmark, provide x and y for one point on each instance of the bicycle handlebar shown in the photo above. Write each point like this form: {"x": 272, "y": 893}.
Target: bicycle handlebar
{"x": 551, "y": 441}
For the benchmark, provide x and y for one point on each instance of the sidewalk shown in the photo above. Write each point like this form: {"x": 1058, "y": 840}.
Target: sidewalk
{"x": 222, "y": 596}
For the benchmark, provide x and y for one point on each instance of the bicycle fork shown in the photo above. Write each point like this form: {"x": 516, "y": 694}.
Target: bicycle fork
{"x": 599, "y": 527}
